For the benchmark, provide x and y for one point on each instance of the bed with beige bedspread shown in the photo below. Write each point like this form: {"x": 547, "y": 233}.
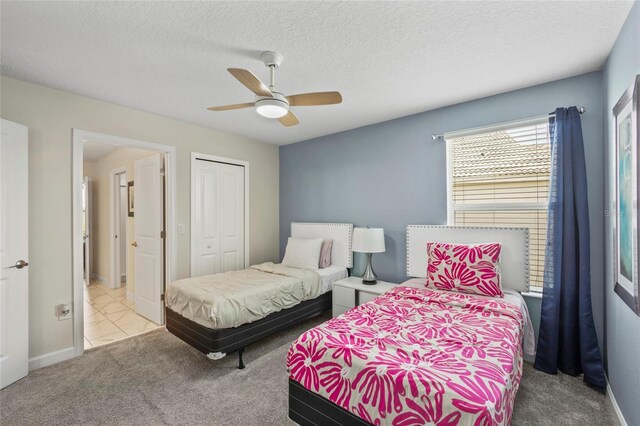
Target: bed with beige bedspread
{"x": 234, "y": 298}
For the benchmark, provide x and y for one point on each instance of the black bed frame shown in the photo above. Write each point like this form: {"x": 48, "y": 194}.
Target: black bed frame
{"x": 310, "y": 409}
{"x": 228, "y": 340}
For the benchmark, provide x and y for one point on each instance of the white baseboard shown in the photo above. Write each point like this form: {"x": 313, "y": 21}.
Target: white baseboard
{"x": 51, "y": 358}
{"x": 131, "y": 296}
{"x": 99, "y": 278}
{"x": 103, "y": 280}
{"x": 614, "y": 405}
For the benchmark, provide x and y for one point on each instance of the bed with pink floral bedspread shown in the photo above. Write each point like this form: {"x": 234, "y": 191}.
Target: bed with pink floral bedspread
{"x": 417, "y": 356}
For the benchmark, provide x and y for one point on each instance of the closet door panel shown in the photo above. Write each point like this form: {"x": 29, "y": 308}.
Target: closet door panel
{"x": 207, "y": 205}
{"x": 232, "y": 220}
{"x": 219, "y": 218}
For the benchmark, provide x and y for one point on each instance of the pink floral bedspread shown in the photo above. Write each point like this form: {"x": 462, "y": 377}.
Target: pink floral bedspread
{"x": 417, "y": 356}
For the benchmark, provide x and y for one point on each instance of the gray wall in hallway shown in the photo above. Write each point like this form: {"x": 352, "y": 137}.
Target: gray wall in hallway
{"x": 392, "y": 174}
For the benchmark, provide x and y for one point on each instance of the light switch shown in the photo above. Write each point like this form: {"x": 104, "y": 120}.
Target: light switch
{"x": 181, "y": 228}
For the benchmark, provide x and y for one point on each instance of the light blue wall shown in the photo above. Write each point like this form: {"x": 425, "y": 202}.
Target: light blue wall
{"x": 622, "y": 338}
{"x": 392, "y": 174}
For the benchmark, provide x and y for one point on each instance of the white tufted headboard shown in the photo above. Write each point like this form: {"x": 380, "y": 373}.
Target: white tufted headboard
{"x": 514, "y": 259}
{"x": 340, "y": 233}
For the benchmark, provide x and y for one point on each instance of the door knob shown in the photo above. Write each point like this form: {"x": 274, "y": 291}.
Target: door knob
{"x": 19, "y": 264}
{"x": 135, "y": 244}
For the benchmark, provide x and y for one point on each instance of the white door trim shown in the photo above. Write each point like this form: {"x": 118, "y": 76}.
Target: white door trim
{"x": 78, "y": 139}
{"x": 114, "y": 248}
{"x": 194, "y": 157}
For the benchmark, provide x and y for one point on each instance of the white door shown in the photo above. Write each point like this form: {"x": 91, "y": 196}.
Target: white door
{"x": 218, "y": 228}
{"x": 122, "y": 233}
{"x": 119, "y": 215}
{"x": 14, "y": 273}
{"x": 148, "y": 243}
{"x": 86, "y": 227}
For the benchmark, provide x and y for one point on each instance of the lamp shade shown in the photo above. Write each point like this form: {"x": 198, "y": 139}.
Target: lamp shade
{"x": 368, "y": 240}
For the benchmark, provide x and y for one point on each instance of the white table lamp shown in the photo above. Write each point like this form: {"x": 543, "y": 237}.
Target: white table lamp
{"x": 369, "y": 241}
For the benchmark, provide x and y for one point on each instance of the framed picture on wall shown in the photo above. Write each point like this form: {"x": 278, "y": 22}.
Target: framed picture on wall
{"x": 626, "y": 195}
{"x": 130, "y": 189}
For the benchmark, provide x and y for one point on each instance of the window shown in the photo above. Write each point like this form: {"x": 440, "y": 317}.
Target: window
{"x": 501, "y": 178}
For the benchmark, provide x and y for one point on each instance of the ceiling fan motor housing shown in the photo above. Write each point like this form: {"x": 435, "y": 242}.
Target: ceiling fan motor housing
{"x": 271, "y": 58}
{"x": 272, "y": 107}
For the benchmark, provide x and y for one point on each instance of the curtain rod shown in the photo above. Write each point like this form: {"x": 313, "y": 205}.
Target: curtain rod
{"x": 496, "y": 127}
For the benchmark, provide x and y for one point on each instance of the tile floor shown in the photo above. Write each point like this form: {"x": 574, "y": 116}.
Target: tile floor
{"x": 109, "y": 316}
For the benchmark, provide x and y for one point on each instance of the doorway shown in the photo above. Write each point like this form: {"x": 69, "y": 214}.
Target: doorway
{"x": 131, "y": 233}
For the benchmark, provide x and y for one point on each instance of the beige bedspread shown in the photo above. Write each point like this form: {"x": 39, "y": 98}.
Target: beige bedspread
{"x": 234, "y": 298}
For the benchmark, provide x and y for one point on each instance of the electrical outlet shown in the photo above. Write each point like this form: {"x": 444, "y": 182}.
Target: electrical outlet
{"x": 63, "y": 312}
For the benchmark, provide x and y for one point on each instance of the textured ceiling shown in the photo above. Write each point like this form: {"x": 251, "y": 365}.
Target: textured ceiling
{"x": 388, "y": 59}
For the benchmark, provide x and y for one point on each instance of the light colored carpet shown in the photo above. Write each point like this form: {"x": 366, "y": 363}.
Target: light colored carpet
{"x": 156, "y": 379}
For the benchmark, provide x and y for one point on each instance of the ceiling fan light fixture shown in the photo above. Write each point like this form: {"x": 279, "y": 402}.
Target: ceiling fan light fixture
{"x": 272, "y": 108}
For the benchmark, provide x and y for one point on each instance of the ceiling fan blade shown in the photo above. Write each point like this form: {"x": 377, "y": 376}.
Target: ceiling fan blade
{"x": 289, "y": 120}
{"x": 318, "y": 98}
{"x": 229, "y": 107}
{"x": 250, "y": 81}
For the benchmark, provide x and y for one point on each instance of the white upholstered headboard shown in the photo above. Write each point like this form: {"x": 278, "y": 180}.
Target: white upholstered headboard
{"x": 514, "y": 259}
{"x": 340, "y": 233}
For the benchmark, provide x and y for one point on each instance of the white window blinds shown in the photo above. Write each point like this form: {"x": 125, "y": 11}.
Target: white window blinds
{"x": 501, "y": 178}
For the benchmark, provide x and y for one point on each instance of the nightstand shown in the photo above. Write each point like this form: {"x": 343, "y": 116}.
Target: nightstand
{"x": 350, "y": 292}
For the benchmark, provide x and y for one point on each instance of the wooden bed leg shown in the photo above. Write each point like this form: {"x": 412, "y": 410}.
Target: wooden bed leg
{"x": 240, "y": 363}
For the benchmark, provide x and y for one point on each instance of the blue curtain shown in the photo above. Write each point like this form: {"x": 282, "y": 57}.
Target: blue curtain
{"x": 567, "y": 340}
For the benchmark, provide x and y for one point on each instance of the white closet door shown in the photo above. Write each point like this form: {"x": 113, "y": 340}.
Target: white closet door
{"x": 232, "y": 218}
{"x": 206, "y": 258}
{"x": 218, "y": 228}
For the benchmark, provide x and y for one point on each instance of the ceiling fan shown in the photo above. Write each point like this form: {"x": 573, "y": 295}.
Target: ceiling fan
{"x": 270, "y": 103}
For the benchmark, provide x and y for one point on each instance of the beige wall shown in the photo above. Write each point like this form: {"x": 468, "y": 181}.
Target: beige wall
{"x": 101, "y": 184}
{"x": 51, "y": 115}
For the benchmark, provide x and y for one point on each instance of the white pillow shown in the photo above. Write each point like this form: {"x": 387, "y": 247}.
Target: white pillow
{"x": 302, "y": 253}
